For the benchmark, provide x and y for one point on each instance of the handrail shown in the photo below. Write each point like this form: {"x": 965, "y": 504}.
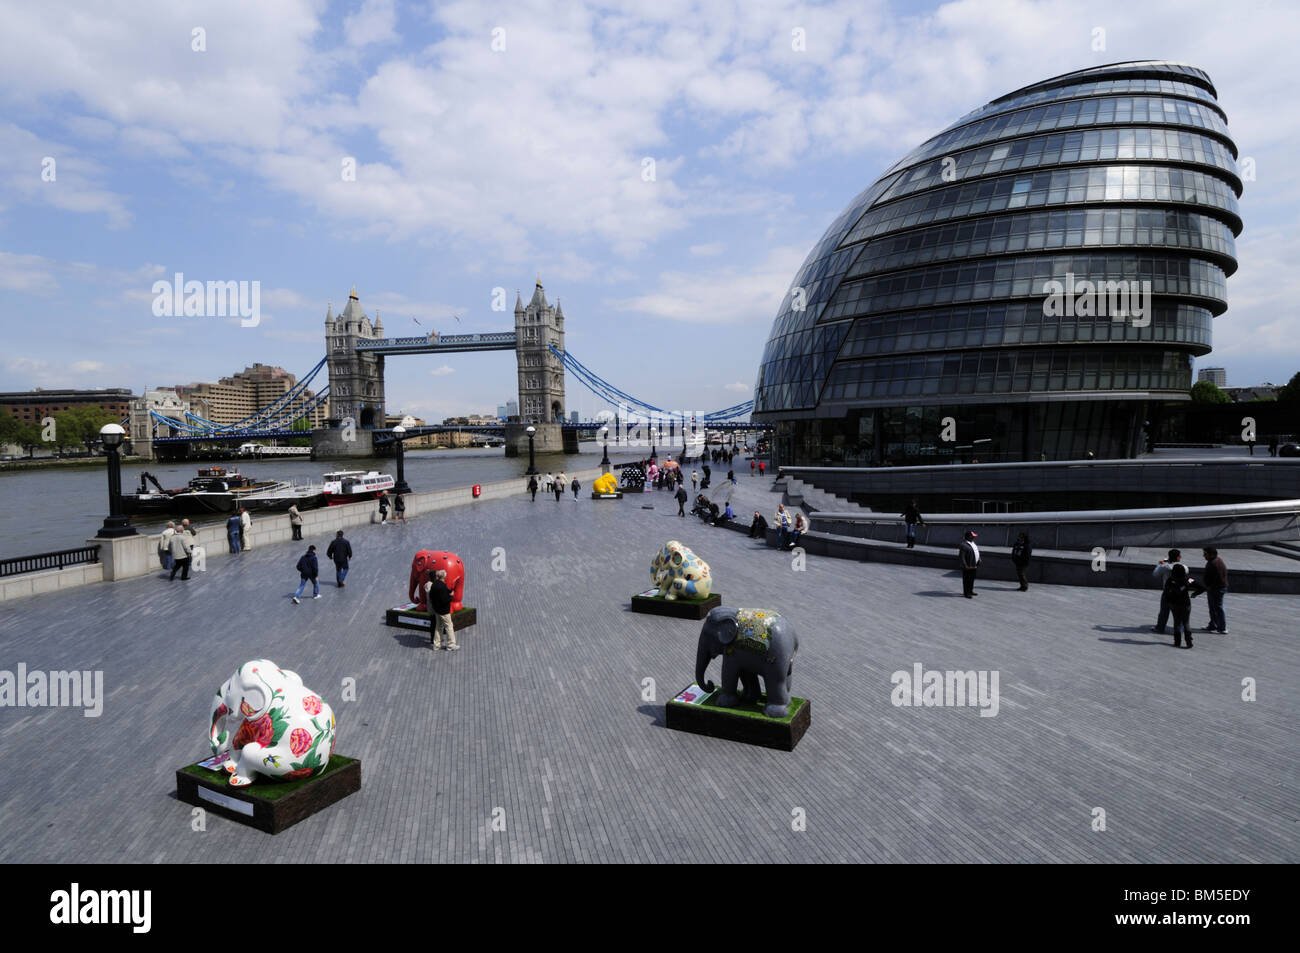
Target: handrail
{"x": 1264, "y": 508}
{"x": 1050, "y": 465}
{"x": 17, "y": 565}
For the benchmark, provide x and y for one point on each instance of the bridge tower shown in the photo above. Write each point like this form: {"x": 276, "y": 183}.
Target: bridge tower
{"x": 538, "y": 326}
{"x": 356, "y": 382}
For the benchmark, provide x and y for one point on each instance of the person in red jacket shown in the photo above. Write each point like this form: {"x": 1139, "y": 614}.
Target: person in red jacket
{"x": 1215, "y": 581}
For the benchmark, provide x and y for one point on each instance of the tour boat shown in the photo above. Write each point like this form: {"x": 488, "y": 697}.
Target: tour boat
{"x": 353, "y": 486}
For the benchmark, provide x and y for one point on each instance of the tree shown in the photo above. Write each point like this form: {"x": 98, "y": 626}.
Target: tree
{"x": 302, "y": 424}
{"x": 1206, "y": 392}
{"x": 1290, "y": 392}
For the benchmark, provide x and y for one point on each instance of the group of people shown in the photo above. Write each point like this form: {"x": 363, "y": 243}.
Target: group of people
{"x": 554, "y": 484}
{"x": 238, "y": 528}
{"x": 788, "y": 528}
{"x": 1178, "y": 588}
{"x": 176, "y": 549}
{"x": 338, "y": 552}
{"x": 759, "y": 466}
{"x": 398, "y": 505}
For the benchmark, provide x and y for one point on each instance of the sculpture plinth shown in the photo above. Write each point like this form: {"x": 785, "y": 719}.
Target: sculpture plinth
{"x": 744, "y": 722}
{"x": 270, "y": 807}
{"x": 411, "y": 617}
{"x": 653, "y": 603}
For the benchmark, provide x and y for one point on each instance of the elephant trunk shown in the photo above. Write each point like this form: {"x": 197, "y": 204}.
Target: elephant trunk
{"x": 702, "y": 659}
{"x": 217, "y": 736}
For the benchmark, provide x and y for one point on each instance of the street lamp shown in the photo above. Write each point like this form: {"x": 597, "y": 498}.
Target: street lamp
{"x": 532, "y": 464}
{"x": 116, "y": 524}
{"x": 684, "y": 454}
{"x": 604, "y": 435}
{"x": 655, "y": 435}
{"x": 399, "y": 434}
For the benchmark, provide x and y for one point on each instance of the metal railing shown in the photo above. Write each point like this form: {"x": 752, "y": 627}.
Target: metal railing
{"x": 56, "y": 560}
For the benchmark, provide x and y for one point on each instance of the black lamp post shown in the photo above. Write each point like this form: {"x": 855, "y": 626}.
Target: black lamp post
{"x": 532, "y": 464}
{"x": 654, "y": 436}
{"x": 116, "y": 525}
{"x": 684, "y": 453}
{"x": 399, "y": 434}
{"x": 604, "y": 435}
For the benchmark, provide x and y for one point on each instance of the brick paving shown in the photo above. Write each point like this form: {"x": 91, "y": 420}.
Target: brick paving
{"x": 541, "y": 713}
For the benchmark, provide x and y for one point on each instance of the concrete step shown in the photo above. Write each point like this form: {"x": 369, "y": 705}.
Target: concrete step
{"x": 1287, "y": 550}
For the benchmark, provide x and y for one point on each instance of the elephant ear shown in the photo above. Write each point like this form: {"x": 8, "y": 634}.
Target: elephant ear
{"x": 254, "y": 700}
{"x": 728, "y": 629}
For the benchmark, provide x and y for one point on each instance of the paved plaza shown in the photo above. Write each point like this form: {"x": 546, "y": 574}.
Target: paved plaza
{"x": 541, "y": 715}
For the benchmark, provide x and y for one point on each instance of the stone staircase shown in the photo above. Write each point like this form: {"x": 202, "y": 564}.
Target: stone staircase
{"x": 1288, "y": 550}
{"x": 811, "y": 499}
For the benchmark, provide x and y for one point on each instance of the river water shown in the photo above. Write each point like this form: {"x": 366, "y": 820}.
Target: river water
{"x": 44, "y": 510}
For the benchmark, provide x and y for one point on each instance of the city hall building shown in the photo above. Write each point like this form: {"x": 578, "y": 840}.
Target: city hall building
{"x": 1031, "y": 283}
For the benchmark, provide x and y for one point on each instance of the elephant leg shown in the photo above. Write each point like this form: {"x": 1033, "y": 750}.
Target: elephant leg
{"x": 751, "y": 691}
{"x": 250, "y": 757}
{"x": 778, "y": 694}
{"x": 730, "y": 673}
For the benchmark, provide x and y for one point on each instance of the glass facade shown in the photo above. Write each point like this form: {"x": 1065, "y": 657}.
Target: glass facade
{"x": 1019, "y": 286}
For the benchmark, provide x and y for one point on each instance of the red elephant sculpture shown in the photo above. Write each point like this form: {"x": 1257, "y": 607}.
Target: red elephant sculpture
{"x": 427, "y": 561}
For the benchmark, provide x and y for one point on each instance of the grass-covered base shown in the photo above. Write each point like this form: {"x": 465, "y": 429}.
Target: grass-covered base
{"x": 265, "y": 787}
{"x": 745, "y": 723}
{"x": 751, "y": 709}
{"x": 680, "y": 608}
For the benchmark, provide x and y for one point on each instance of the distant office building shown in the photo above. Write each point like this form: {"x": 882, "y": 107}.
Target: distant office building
{"x": 507, "y": 410}
{"x": 1217, "y": 376}
{"x": 32, "y": 406}
{"x": 1265, "y": 391}
{"x": 573, "y": 416}
{"x": 242, "y": 395}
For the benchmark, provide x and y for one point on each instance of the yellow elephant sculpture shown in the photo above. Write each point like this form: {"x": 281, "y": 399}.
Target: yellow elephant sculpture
{"x": 606, "y": 484}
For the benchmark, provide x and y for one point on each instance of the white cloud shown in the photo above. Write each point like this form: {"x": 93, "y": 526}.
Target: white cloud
{"x": 740, "y": 388}
{"x": 442, "y": 371}
{"x": 708, "y": 249}
{"x": 374, "y": 22}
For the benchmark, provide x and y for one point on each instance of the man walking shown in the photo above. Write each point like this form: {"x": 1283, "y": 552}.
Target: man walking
{"x": 532, "y": 487}
{"x": 164, "y": 546}
{"x": 1215, "y": 581}
{"x": 558, "y": 488}
{"x": 912, "y": 516}
{"x": 295, "y": 521}
{"x": 752, "y": 466}
{"x": 383, "y": 508}
{"x": 1021, "y": 550}
{"x": 308, "y": 570}
{"x": 181, "y": 548}
{"x": 399, "y": 509}
{"x": 970, "y": 561}
{"x": 1161, "y": 574}
{"x": 576, "y": 486}
{"x": 443, "y": 632}
{"x": 232, "y": 532}
{"x": 340, "y": 551}
{"x": 695, "y": 480}
{"x": 245, "y": 528}
{"x": 681, "y": 501}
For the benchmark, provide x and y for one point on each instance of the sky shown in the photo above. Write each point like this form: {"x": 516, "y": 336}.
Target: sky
{"x": 663, "y": 166}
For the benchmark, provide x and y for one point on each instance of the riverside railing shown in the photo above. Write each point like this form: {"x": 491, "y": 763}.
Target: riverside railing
{"x": 41, "y": 561}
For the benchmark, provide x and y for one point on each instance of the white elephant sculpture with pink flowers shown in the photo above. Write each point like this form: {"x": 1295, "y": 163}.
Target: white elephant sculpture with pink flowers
{"x": 271, "y": 724}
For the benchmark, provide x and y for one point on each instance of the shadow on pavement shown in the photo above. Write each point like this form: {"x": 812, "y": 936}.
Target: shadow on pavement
{"x": 654, "y": 712}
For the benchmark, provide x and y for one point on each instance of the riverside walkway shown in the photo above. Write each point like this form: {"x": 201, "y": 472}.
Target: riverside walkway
{"x": 542, "y": 714}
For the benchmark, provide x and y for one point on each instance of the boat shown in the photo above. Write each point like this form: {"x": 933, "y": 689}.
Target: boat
{"x": 214, "y": 490}
{"x": 355, "y": 486}
{"x": 280, "y": 496}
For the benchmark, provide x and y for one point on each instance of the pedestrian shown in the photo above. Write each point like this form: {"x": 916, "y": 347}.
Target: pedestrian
{"x": 187, "y": 528}
{"x": 782, "y": 522}
{"x": 180, "y": 547}
{"x": 695, "y": 480}
{"x": 557, "y": 488}
{"x": 681, "y": 501}
{"x": 762, "y": 467}
{"x": 532, "y": 487}
{"x": 232, "y": 532}
{"x": 1021, "y": 550}
{"x": 758, "y": 527}
{"x": 383, "y": 508}
{"x": 1272, "y": 446}
{"x": 1215, "y": 581}
{"x": 728, "y": 513}
{"x": 442, "y": 630}
{"x": 970, "y": 561}
{"x": 1161, "y": 574}
{"x": 911, "y": 517}
{"x": 752, "y": 466}
{"x": 399, "y": 509}
{"x": 1179, "y": 589}
{"x": 295, "y": 521}
{"x": 164, "y": 542}
{"x": 549, "y": 482}
{"x": 308, "y": 571}
{"x": 575, "y": 486}
{"x": 800, "y": 527}
{"x": 340, "y": 551}
{"x": 731, "y": 477}
{"x": 245, "y": 528}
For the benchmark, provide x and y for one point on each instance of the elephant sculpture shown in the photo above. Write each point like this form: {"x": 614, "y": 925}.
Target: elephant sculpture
{"x": 428, "y": 561}
{"x": 676, "y": 572}
{"x": 271, "y": 724}
{"x": 608, "y": 483}
{"x": 753, "y": 643}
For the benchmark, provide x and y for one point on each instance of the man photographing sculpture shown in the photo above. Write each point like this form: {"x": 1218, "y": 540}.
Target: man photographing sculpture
{"x": 439, "y": 603}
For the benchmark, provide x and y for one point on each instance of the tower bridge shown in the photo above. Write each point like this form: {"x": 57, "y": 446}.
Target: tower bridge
{"x": 356, "y": 349}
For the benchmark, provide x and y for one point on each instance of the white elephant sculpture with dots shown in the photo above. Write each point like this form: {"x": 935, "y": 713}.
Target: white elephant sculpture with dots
{"x": 679, "y": 573}
{"x": 271, "y": 724}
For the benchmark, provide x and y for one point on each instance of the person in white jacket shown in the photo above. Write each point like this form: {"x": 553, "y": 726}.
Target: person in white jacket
{"x": 245, "y": 529}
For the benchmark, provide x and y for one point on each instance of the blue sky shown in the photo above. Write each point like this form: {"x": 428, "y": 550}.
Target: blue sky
{"x": 477, "y": 168}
